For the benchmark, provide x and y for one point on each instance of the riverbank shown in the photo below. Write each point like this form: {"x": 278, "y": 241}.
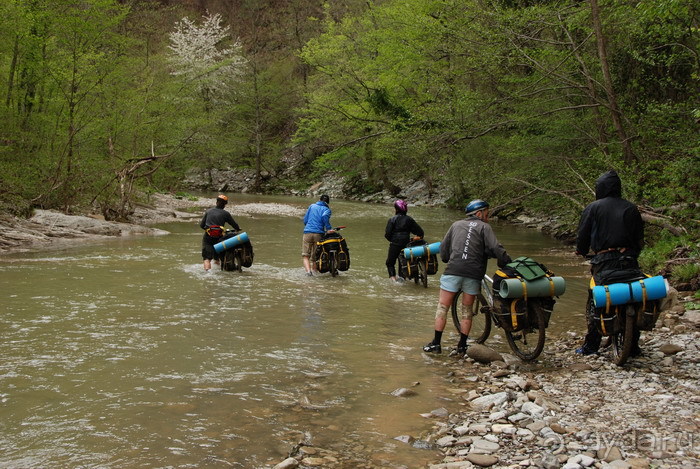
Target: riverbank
{"x": 565, "y": 410}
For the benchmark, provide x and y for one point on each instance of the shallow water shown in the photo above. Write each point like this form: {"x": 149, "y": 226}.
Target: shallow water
{"x": 125, "y": 353}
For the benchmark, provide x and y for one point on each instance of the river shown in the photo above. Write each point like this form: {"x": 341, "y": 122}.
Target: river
{"x": 125, "y": 353}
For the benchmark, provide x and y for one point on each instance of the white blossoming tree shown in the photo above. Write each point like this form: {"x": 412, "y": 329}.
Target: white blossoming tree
{"x": 205, "y": 57}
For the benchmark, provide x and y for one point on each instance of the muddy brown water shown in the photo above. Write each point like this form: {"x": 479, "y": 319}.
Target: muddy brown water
{"x": 124, "y": 353}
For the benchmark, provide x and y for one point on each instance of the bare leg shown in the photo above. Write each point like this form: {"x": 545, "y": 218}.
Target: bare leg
{"x": 307, "y": 264}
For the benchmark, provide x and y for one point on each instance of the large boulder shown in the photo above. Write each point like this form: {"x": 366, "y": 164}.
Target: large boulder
{"x": 483, "y": 354}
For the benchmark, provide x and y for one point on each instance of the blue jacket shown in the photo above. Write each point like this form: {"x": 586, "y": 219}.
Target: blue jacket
{"x": 317, "y": 218}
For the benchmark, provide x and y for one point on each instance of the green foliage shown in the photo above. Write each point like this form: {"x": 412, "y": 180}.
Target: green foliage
{"x": 685, "y": 272}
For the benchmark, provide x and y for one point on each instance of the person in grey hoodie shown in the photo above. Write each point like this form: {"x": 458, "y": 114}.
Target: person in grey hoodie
{"x": 613, "y": 229}
{"x": 466, "y": 248}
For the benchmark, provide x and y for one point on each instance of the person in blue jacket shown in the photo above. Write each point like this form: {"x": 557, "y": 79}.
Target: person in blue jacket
{"x": 316, "y": 222}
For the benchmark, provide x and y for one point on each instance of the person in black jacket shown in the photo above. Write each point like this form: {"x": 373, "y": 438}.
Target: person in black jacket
{"x": 213, "y": 223}
{"x": 613, "y": 229}
{"x": 398, "y": 233}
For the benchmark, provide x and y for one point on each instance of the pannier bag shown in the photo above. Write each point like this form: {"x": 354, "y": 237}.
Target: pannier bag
{"x": 513, "y": 313}
{"x": 237, "y": 241}
{"x": 247, "y": 254}
{"x": 409, "y": 265}
{"x": 332, "y": 242}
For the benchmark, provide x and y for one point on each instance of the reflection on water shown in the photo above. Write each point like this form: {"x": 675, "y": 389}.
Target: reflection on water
{"x": 127, "y": 354}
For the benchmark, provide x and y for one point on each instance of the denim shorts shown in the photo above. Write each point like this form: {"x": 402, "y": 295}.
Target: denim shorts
{"x": 455, "y": 283}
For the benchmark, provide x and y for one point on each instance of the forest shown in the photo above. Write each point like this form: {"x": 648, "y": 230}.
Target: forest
{"x": 522, "y": 102}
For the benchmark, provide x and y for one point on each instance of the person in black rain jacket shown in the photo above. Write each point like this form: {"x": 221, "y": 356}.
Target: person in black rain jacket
{"x": 613, "y": 229}
{"x": 398, "y": 233}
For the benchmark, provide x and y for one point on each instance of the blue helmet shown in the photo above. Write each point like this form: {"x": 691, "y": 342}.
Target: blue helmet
{"x": 475, "y": 205}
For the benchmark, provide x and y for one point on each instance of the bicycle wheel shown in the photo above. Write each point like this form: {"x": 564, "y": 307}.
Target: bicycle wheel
{"x": 481, "y": 320}
{"x": 622, "y": 340}
{"x": 227, "y": 261}
{"x": 333, "y": 264}
{"x": 528, "y": 343}
{"x": 423, "y": 272}
{"x": 238, "y": 260}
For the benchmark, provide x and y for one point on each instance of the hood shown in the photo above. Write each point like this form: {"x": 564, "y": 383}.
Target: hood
{"x": 608, "y": 185}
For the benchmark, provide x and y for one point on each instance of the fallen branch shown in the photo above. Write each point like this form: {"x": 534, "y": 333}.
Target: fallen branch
{"x": 550, "y": 191}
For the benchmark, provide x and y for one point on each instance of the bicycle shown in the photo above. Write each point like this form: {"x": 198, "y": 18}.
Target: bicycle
{"x": 417, "y": 269}
{"x": 232, "y": 259}
{"x": 622, "y": 323}
{"x": 332, "y": 252}
{"x": 525, "y": 339}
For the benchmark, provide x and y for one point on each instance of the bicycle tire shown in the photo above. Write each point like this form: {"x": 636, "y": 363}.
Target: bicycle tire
{"x": 238, "y": 260}
{"x": 622, "y": 340}
{"x": 225, "y": 261}
{"x": 423, "y": 272}
{"x": 481, "y": 321}
{"x": 518, "y": 340}
{"x": 333, "y": 264}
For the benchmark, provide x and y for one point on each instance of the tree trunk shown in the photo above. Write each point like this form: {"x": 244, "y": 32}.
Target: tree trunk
{"x": 628, "y": 154}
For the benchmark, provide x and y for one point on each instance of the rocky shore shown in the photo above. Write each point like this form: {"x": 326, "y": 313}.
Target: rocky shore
{"x": 564, "y": 411}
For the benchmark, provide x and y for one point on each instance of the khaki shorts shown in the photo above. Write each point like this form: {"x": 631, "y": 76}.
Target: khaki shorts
{"x": 308, "y": 245}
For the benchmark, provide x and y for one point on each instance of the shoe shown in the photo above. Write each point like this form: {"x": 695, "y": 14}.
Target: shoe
{"x": 636, "y": 352}
{"x": 309, "y": 274}
{"x": 585, "y": 351}
{"x": 458, "y": 352}
{"x": 432, "y": 348}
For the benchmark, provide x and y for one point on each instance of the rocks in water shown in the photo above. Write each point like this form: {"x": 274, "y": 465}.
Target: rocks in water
{"x": 403, "y": 392}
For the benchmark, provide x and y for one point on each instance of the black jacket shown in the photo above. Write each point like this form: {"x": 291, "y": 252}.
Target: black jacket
{"x": 610, "y": 221}
{"x": 399, "y": 228}
{"x": 217, "y": 217}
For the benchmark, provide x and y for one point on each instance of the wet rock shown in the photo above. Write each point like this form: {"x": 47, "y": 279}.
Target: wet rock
{"x": 483, "y": 354}
{"x": 408, "y": 439}
{"x": 403, "y": 392}
{"x": 288, "y": 463}
{"x": 482, "y": 460}
{"x": 422, "y": 444}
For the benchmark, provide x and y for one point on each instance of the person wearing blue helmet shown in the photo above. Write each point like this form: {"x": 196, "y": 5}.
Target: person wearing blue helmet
{"x": 398, "y": 233}
{"x": 465, "y": 250}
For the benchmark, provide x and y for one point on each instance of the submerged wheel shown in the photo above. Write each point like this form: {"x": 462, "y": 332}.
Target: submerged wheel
{"x": 238, "y": 260}
{"x": 622, "y": 340}
{"x": 423, "y": 272}
{"x": 333, "y": 264}
{"x": 481, "y": 322}
{"x": 529, "y": 342}
{"x": 227, "y": 261}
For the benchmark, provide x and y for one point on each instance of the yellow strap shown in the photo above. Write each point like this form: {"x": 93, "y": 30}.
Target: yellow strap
{"x": 551, "y": 286}
{"x": 524, "y": 287}
{"x": 513, "y": 314}
{"x": 644, "y": 295}
{"x": 327, "y": 241}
